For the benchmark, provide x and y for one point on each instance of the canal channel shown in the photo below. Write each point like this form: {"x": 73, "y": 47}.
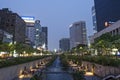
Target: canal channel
{"x": 56, "y": 72}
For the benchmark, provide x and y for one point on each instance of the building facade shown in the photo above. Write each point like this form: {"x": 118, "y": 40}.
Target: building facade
{"x": 114, "y": 29}
{"x": 38, "y": 34}
{"x": 107, "y": 11}
{"x": 94, "y": 19}
{"x": 5, "y": 37}
{"x": 13, "y": 24}
{"x": 78, "y": 34}
{"x": 64, "y": 44}
{"x": 30, "y": 30}
{"x": 45, "y": 33}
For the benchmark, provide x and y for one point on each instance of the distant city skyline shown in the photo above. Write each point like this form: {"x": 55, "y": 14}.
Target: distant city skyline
{"x": 56, "y": 15}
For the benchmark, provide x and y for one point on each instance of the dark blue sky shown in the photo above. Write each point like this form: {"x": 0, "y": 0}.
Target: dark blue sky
{"x": 57, "y": 15}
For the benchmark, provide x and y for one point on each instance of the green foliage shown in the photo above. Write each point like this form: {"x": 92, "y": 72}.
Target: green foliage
{"x": 7, "y": 47}
{"x": 19, "y": 60}
{"x": 64, "y": 61}
{"x": 117, "y": 43}
{"x": 46, "y": 52}
{"x": 105, "y": 37}
{"x": 4, "y": 47}
{"x": 80, "y": 49}
{"x": 102, "y": 60}
{"x": 105, "y": 42}
{"x": 51, "y": 61}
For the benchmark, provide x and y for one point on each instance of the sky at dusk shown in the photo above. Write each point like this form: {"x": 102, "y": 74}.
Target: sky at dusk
{"x": 57, "y": 15}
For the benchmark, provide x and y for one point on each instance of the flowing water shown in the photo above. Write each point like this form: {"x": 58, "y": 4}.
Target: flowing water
{"x": 57, "y": 67}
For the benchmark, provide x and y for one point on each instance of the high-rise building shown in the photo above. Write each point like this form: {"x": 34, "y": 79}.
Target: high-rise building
{"x": 5, "y": 37}
{"x": 30, "y": 29}
{"x": 113, "y": 29}
{"x": 13, "y": 24}
{"x": 107, "y": 12}
{"x": 45, "y": 33}
{"x": 64, "y": 44}
{"x": 94, "y": 19}
{"x": 38, "y": 34}
{"x": 78, "y": 34}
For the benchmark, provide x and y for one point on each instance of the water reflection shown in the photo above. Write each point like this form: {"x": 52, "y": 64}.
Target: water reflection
{"x": 56, "y": 67}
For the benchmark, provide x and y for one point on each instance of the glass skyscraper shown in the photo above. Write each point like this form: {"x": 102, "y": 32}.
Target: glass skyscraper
{"x": 107, "y": 11}
{"x": 45, "y": 36}
{"x": 38, "y": 34}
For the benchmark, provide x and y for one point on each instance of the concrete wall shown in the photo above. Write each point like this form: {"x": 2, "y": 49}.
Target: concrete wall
{"x": 99, "y": 70}
{"x": 9, "y": 73}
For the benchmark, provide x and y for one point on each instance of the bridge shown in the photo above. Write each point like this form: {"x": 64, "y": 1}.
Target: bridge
{"x": 111, "y": 76}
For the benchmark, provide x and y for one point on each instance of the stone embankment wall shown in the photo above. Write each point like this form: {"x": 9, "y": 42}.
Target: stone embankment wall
{"x": 101, "y": 70}
{"x": 9, "y": 73}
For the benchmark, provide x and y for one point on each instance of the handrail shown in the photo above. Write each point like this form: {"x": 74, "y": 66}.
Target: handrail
{"x": 115, "y": 76}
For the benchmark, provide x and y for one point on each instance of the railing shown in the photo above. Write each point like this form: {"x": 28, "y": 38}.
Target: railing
{"x": 111, "y": 76}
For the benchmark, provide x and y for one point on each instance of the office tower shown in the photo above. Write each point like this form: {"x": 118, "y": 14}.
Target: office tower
{"x": 12, "y": 24}
{"x": 113, "y": 29}
{"x": 45, "y": 35}
{"x": 107, "y": 12}
{"x": 38, "y": 34}
{"x": 30, "y": 29}
{"x": 94, "y": 19}
{"x": 78, "y": 34}
{"x": 64, "y": 44}
{"x": 5, "y": 37}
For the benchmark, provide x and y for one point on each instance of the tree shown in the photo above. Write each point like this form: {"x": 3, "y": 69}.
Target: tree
{"x": 116, "y": 43}
{"x": 81, "y": 49}
{"x": 105, "y": 37}
{"x": 4, "y": 47}
{"x": 105, "y": 42}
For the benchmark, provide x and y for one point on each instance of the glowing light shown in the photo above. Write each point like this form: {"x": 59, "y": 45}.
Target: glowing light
{"x": 43, "y": 46}
{"x": 21, "y": 76}
{"x": 37, "y": 29}
{"x": 89, "y": 74}
{"x": 106, "y": 24}
{"x": 28, "y": 18}
{"x": 55, "y": 50}
{"x": 29, "y": 21}
{"x": 36, "y": 35}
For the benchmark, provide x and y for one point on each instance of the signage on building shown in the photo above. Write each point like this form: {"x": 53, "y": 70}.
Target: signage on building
{"x": 28, "y": 19}
{"x": 107, "y": 24}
